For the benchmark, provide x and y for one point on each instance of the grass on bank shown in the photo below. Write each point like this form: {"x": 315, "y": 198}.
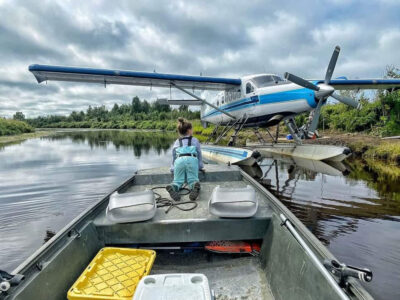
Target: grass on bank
{"x": 13, "y": 127}
{"x": 14, "y": 131}
{"x": 388, "y": 151}
{"x": 12, "y": 139}
{"x": 376, "y": 149}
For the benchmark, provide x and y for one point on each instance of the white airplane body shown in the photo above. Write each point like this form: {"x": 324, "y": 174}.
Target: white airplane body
{"x": 265, "y": 105}
{"x": 260, "y": 100}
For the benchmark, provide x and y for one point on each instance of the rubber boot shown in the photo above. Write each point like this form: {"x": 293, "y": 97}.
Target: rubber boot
{"x": 174, "y": 194}
{"x": 194, "y": 193}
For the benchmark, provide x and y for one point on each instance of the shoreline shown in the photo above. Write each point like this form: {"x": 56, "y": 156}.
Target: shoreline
{"x": 17, "y": 138}
{"x": 362, "y": 146}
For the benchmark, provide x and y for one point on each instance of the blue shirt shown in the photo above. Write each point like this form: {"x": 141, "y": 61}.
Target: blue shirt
{"x": 196, "y": 143}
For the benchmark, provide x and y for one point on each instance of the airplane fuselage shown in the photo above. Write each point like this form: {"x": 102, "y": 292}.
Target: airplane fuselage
{"x": 264, "y": 104}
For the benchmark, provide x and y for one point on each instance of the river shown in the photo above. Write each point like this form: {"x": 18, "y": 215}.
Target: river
{"x": 353, "y": 208}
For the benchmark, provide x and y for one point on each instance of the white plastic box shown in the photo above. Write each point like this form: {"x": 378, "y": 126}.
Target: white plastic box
{"x": 173, "y": 287}
{"x": 131, "y": 207}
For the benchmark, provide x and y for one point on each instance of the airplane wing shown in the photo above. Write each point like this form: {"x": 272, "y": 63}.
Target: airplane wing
{"x": 365, "y": 84}
{"x": 104, "y": 76}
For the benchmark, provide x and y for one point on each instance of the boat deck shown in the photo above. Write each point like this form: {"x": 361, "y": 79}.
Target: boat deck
{"x": 230, "y": 277}
{"x": 187, "y": 226}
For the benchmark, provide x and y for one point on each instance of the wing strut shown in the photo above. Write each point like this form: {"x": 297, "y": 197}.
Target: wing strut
{"x": 202, "y": 100}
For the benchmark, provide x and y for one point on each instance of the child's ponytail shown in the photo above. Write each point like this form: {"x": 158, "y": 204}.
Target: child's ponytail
{"x": 183, "y": 126}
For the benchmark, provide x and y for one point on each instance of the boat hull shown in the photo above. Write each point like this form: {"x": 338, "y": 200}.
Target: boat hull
{"x": 283, "y": 270}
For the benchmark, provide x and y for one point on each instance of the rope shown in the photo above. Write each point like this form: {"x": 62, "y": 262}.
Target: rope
{"x": 165, "y": 202}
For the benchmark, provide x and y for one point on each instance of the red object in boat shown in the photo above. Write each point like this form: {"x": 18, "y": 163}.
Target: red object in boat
{"x": 233, "y": 247}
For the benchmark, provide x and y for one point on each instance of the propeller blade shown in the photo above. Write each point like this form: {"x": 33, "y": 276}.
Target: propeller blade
{"x": 346, "y": 100}
{"x": 300, "y": 81}
{"x": 332, "y": 64}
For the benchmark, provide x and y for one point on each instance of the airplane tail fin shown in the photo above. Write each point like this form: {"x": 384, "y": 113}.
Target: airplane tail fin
{"x": 190, "y": 102}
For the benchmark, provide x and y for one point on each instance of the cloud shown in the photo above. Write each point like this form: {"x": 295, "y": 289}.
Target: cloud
{"x": 215, "y": 38}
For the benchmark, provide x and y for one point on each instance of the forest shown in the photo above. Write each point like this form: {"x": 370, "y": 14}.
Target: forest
{"x": 139, "y": 114}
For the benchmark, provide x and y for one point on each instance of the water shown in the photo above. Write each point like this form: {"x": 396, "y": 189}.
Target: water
{"x": 46, "y": 182}
{"x": 353, "y": 208}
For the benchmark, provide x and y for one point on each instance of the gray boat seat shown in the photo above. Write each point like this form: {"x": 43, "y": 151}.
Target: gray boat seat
{"x": 233, "y": 202}
{"x": 131, "y": 207}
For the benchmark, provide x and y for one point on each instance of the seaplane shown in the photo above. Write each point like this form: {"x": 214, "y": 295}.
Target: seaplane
{"x": 256, "y": 101}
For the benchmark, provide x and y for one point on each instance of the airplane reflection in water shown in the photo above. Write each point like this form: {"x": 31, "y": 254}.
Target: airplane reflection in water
{"x": 329, "y": 198}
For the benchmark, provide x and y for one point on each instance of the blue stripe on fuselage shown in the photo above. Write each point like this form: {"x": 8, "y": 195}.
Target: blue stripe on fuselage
{"x": 289, "y": 96}
{"x": 267, "y": 99}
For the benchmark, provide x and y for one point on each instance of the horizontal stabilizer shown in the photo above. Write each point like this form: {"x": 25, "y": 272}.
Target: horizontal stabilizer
{"x": 179, "y": 102}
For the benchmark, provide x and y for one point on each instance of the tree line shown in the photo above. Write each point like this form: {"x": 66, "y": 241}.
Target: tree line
{"x": 138, "y": 114}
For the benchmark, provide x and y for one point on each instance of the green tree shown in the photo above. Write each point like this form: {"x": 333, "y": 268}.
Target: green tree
{"x": 115, "y": 109}
{"x": 145, "y": 107}
{"x": 75, "y": 116}
{"x": 183, "y": 108}
{"x": 19, "y": 116}
{"x": 136, "y": 105}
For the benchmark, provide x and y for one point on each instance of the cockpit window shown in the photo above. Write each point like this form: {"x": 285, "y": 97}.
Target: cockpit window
{"x": 266, "y": 80}
{"x": 277, "y": 79}
{"x": 249, "y": 88}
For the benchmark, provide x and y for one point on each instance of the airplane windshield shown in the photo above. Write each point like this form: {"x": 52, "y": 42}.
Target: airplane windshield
{"x": 266, "y": 80}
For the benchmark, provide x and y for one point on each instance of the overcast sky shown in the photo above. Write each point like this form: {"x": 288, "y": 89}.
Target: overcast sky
{"x": 216, "y": 38}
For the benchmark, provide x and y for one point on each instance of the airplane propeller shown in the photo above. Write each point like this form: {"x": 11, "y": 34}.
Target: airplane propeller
{"x": 324, "y": 90}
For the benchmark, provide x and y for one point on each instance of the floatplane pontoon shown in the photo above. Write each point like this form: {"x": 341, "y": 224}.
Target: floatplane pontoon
{"x": 288, "y": 263}
{"x": 249, "y": 155}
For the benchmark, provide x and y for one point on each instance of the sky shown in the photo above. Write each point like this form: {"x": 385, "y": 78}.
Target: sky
{"x": 214, "y": 38}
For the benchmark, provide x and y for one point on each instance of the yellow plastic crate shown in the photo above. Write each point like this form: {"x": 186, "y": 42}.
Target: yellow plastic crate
{"x": 113, "y": 274}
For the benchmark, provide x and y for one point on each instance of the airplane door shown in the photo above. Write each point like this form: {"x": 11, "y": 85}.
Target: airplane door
{"x": 253, "y": 98}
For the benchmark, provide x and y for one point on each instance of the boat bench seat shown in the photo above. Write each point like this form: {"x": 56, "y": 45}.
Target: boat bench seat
{"x": 187, "y": 226}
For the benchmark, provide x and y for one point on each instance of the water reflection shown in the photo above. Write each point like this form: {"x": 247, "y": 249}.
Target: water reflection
{"x": 353, "y": 208}
{"x": 46, "y": 182}
{"x": 138, "y": 141}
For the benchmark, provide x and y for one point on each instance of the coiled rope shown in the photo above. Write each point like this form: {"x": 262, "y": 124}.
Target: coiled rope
{"x": 166, "y": 202}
